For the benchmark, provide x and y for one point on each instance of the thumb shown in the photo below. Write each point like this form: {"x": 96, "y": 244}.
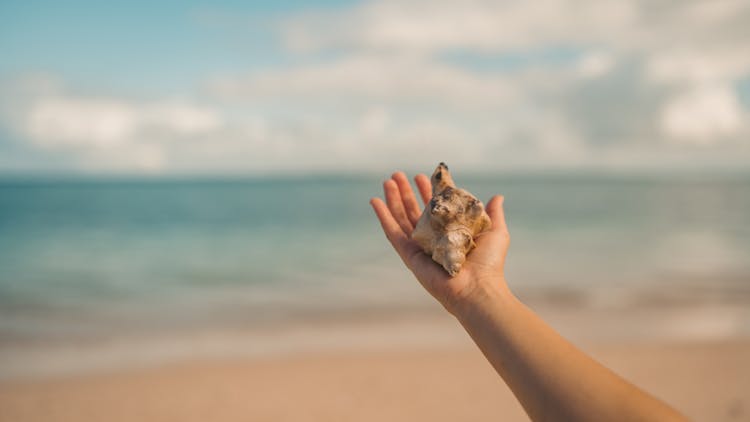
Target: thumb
{"x": 497, "y": 215}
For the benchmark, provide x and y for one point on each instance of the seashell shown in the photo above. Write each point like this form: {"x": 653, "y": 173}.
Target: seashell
{"x": 450, "y": 222}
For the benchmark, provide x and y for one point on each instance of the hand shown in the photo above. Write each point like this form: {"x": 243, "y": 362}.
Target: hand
{"x": 483, "y": 269}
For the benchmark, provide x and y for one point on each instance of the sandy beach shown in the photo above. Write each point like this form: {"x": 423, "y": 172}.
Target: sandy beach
{"x": 410, "y": 368}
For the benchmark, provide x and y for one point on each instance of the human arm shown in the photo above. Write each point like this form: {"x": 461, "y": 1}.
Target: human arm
{"x": 553, "y": 380}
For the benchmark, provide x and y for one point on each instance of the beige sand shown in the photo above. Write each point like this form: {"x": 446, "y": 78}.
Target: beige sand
{"x": 707, "y": 381}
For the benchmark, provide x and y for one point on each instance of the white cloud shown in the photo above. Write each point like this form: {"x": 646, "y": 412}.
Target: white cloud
{"x": 64, "y": 121}
{"x": 717, "y": 11}
{"x": 595, "y": 64}
{"x": 102, "y": 133}
{"x": 180, "y": 117}
{"x": 703, "y": 116}
{"x": 699, "y": 66}
{"x": 105, "y": 122}
{"x": 371, "y": 78}
{"x": 688, "y": 55}
{"x": 433, "y": 25}
{"x": 375, "y": 121}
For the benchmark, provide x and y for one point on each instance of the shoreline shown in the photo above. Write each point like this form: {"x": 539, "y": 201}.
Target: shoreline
{"x": 367, "y": 330}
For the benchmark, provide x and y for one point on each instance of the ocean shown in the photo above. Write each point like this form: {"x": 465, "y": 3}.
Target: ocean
{"x": 84, "y": 259}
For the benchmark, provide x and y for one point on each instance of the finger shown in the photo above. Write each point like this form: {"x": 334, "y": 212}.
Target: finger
{"x": 497, "y": 215}
{"x": 392, "y": 230}
{"x": 407, "y": 195}
{"x": 424, "y": 186}
{"x": 396, "y": 205}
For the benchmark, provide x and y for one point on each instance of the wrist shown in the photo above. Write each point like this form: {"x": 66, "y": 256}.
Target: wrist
{"x": 484, "y": 294}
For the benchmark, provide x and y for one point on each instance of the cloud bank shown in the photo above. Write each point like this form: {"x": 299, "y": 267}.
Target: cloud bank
{"x": 493, "y": 85}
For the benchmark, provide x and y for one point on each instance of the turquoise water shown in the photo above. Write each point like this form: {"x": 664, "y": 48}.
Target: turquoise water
{"x": 79, "y": 258}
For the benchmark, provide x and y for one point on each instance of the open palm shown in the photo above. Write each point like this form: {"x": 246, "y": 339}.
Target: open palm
{"x": 399, "y": 214}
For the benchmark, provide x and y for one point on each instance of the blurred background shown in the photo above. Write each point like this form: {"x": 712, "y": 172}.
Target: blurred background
{"x": 190, "y": 180}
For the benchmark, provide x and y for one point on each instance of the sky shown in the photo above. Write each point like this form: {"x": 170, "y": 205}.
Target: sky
{"x": 252, "y": 87}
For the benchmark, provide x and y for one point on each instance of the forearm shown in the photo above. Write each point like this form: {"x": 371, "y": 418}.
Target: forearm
{"x": 552, "y": 379}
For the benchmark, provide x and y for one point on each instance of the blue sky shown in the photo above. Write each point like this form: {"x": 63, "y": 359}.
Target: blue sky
{"x": 288, "y": 86}
{"x": 148, "y": 45}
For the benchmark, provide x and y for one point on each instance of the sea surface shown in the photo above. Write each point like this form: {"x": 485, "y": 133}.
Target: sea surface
{"x": 87, "y": 258}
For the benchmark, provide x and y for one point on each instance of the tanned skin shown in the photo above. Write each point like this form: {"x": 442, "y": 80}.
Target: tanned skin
{"x": 551, "y": 378}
